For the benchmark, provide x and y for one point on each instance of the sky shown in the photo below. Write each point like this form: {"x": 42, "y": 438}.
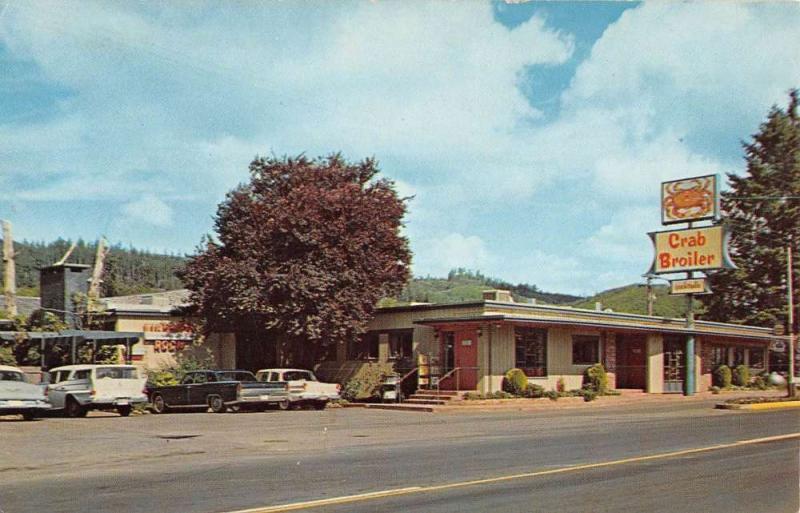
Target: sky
{"x": 533, "y": 136}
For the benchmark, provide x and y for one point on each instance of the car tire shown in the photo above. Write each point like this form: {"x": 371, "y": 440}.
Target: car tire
{"x": 216, "y": 404}
{"x": 284, "y": 405}
{"x": 158, "y": 404}
{"x": 320, "y": 405}
{"x": 73, "y": 409}
{"x": 124, "y": 411}
{"x": 30, "y": 415}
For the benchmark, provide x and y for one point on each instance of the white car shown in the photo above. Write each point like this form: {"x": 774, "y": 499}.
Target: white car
{"x": 304, "y": 387}
{"x": 18, "y": 397}
{"x": 76, "y": 389}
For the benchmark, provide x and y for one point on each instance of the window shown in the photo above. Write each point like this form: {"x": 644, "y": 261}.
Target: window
{"x": 756, "y": 358}
{"x": 719, "y": 356}
{"x": 401, "y": 344}
{"x": 738, "y": 356}
{"x": 585, "y": 349}
{"x": 531, "y": 351}
{"x": 449, "y": 356}
{"x": 82, "y": 375}
{"x": 117, "y": 372}
{"x": 365, "y": 347}
{"x": 11, "y": 376}
{"x": 188, "y": 379}
{"x": 298, "y": 375}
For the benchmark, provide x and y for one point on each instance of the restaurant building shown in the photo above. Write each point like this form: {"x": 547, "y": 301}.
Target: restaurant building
{"x": 471, "y": 345}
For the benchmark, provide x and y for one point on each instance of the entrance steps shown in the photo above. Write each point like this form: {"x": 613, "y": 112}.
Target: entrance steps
{"x": 433, "y": 397}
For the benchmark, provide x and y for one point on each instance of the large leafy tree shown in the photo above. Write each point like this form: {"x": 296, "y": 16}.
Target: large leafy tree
{"x": 304, "y": 252}
{"x": 763, "y": 210}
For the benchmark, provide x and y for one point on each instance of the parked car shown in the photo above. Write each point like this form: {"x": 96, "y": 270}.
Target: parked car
{"x": 304, "y": 387}
{"x": 17, "y": 396}
{"x": 219, "y": 390}
{"x": 76, "y": 389}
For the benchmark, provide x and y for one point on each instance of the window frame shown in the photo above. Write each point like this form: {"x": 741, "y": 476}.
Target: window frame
{"x": 531, "y": 336}
{"x": 582, "y": 339}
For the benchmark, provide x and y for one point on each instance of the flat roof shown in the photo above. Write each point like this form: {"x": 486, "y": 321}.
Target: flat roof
{"x": 526, "y": 313}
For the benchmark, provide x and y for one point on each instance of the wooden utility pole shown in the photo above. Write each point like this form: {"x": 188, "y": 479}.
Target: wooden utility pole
{"x": 10, "y": 271}
{"x": 790, "y": 289}
{"x": 97, "y": 271}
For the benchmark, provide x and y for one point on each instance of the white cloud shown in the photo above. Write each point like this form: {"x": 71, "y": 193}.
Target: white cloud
{"x": 150, "y": 210}
{"x": 438, "y": 255}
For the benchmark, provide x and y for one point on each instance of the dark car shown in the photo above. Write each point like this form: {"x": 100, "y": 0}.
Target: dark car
{"x": 219, "y": 390}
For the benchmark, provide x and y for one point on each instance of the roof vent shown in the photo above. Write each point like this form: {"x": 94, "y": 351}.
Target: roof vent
{"x": 498, "y": 295}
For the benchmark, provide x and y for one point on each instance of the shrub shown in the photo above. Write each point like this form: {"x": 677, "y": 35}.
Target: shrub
{"x": 741, "y": 376}
{"x": 596, "y": 379}
{"x": 473, "y": 396}
{"x": 515, "y": 382}
{"x": 502, "y": 395}
{"x": 722, "y": 376}
{"x": 714, "y": 389}
{"x": 760, "y": 383}
{"x": 7, "y": 356}
{"x": 552, "y": 395}
{"x": 534, "y": 391}
{"x": 588, "y": 394}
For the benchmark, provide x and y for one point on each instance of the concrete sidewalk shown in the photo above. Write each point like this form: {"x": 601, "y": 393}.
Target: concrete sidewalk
{"x": 627, "y": 398}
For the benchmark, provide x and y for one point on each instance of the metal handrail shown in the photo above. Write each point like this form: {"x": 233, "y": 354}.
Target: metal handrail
{"x": 454, "y": 370}
{"x": 406, "y": 376}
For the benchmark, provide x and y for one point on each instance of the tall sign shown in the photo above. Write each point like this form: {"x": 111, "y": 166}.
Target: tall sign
{"x": 692, "y": 249}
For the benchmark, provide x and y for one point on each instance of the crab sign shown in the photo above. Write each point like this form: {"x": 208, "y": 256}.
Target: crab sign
{"x": 688, "y": 199}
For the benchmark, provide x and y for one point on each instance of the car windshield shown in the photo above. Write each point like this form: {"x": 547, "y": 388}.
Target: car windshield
{"x": 117, "y": 372}
{"x": 297, "y": 376}
{"x": 12, "y": 376}
{"x": 236, "y": 376}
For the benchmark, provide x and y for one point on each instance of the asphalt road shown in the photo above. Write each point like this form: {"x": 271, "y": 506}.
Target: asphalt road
{"x": 219, "y": 463}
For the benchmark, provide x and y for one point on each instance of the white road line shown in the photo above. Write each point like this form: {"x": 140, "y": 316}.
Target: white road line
{"x": 491, "y": 480}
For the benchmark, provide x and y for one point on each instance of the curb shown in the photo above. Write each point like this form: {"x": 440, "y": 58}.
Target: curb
{"x": 759, "y": 406}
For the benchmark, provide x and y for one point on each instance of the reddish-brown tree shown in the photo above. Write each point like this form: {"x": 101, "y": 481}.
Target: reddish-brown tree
{"x": 304, "y": 252}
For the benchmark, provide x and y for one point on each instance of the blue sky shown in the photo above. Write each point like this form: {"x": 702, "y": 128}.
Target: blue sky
{"x": 533, "y": 136}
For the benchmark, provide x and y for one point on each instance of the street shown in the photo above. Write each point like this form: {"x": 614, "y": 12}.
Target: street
{"x": 679, "y": 457}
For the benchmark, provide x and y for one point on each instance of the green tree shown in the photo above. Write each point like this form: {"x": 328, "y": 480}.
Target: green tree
{"x": 306, "y": 250}
{"x": 763, "y": 211}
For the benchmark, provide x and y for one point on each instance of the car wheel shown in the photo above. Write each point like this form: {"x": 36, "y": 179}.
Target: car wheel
{"x": 284, "y": 405}
{"x": 159, "y": 406}
{"x": 320, "y": 405}
{"x": 73, "y": 409}
{"x": 124, "y": 411}
{"x": 216, "y": 404}
{"x": 29, "y": 415}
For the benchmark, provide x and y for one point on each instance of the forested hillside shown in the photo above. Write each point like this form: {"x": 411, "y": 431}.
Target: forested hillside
{"x": 127, "y": 270}
{"x": 463, "y": 285}
{"x": 633, "y": 299}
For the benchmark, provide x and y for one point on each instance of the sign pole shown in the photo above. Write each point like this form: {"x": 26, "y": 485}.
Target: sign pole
{"x": 689, "y": 380}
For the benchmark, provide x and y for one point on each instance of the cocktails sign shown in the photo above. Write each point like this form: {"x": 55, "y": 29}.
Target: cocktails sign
{"x": 693, "y": 249}
{"x": 690, "y": 199}
{"x": 690, "y": 286}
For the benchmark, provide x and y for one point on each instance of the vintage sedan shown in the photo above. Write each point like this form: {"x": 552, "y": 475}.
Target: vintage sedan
{"x": 18, "y": 397}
